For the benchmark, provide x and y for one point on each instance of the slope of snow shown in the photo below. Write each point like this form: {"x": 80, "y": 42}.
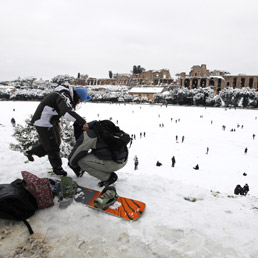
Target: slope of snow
{"x": 189, "y": 213}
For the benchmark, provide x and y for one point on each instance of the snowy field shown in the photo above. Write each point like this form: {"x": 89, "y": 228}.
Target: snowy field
{"x": 189, "y": 213}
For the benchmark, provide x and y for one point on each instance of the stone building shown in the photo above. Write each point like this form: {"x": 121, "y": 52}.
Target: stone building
{"x": 200, "y": 76}
{"x": 147, "y": 92}
{"x": 152, "y": 77}
{"x": 81, "y": 80}
{"x": 240, "y": 81}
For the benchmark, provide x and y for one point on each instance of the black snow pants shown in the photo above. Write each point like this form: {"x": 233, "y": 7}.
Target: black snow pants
{"x": 49, "y": 145}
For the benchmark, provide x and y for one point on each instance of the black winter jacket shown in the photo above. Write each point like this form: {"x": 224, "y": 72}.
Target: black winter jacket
{"x": 57, "y": 104}
{"x": 88, "y": 140}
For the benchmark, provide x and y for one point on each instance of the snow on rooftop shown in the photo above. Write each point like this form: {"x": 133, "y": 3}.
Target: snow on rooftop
{"x": 146, "y": 90}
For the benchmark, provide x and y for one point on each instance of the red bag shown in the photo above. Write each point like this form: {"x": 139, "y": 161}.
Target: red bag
{"x": 39, "y": 188}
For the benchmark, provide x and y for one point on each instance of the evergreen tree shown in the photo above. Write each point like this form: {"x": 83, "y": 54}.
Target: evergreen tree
{"x": 27, "y": 136}
{"x": 60, "y": 79}
{"x": 138, "y": 69}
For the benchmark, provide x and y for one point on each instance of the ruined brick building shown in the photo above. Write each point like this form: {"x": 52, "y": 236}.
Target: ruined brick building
{"x": 151, "y": 77}
{"x": 200, "y": 76}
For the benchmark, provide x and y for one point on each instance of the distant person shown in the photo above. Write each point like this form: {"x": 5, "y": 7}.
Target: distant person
{"x": 173, "y": 161}
{"x": 241, "y": 190}
{"x": 13, "y": 122}
{"x": 158, "y": 164}
{"x": 183, "y": 138}
{"x": 253, "y": 136}
{"x": 61, "y": 102}
{"x": 238, "y": 190}
{"x": 136, "y": 162}
{"x": 196, "y": 167}
{"x": 207, "y": 150}
{"x": 246, "y": 150}
{"x": 245, "y": 189}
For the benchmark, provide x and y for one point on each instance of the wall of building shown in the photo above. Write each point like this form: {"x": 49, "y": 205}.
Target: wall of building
{"x": 150, "y": 96}
{"x": 200, "y": 76}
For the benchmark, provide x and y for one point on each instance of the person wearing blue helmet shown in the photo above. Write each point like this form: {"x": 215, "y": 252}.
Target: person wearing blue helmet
{"x": 60, "y": 103}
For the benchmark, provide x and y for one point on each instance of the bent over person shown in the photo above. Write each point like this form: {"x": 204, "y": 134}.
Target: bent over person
{"x": 59, "y": 103}
{"x": 93, "y": 155}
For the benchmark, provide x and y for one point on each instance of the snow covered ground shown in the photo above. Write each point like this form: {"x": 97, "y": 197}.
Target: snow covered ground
{"x": 189, "y": 213}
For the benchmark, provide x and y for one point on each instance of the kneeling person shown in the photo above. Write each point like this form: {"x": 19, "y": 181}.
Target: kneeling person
{"x": 93, "y": 155}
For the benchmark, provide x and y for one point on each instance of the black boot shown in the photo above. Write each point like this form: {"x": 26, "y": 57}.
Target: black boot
{"x": 78, "y": 172}
{"x": 112, "y": 179}
{"x": 59, "y": 171}
{"x": 28, "y": 155}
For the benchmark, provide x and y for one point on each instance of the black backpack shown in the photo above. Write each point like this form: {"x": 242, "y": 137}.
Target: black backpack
{"x": 111, "y": 134}
{"x": 16, "y": 203}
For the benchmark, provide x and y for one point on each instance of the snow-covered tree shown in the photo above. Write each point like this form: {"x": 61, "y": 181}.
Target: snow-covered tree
{"x": 60, "y": 79}
{"x": 27, "y": 136}
{"x": 244, "y": 97}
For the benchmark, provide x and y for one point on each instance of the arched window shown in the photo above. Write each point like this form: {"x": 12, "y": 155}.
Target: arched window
{"x": 251, "y": 82}
{"x": 234, "y": 83}
{"x": 242, "y": 82}
{"x": 187, "y": 83}
{"x": 195, "y": 83}
{"x": 203, "y": 83}
{"x": 219, "y": 82}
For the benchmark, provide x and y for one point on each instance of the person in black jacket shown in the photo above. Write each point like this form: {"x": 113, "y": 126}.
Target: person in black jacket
{"x": 93, "y": 155}
{"x": 238, "y": 190}
{"x": 59, "y": 103}
{"x": 245, "y": 189}
{"x": 173, "y": 161}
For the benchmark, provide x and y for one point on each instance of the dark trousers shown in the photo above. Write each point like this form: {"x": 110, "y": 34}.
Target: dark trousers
{"x": 49, "y": 145}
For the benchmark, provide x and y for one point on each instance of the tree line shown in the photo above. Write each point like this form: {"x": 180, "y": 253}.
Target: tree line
{"x": 228, "y": 97}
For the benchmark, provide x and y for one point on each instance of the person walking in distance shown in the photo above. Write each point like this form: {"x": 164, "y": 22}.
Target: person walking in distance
{"x": 136, "y": 162}
{"x": 173, "y": 161}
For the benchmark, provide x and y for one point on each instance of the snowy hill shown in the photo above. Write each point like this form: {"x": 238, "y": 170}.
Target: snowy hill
{"x": 189, "y": 213}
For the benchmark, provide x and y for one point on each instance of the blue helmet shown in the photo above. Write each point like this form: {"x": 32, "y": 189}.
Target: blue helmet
{"x": 83, "y": 94}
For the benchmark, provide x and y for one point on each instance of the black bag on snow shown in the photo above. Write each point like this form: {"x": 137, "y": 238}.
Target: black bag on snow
{"x": 111, "y": 134}
{"x": 16, "y": 203}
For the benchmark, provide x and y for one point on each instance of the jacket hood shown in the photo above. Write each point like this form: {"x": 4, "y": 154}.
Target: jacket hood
{"x": 69, "y": 89}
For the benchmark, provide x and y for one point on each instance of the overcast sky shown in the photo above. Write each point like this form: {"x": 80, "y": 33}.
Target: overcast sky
{"x": 45, "y": 38}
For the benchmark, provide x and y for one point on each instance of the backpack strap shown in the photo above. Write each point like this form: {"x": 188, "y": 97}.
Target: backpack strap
{"x": 28, "y": 226}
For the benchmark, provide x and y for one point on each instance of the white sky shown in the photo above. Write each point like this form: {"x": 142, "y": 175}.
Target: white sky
{"x": 52, "y": 37}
